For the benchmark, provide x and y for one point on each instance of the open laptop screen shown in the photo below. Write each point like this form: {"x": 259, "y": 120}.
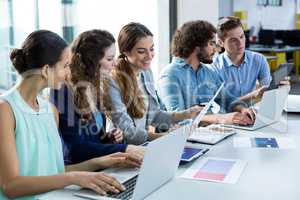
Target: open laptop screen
{"x": 199, "y": 117}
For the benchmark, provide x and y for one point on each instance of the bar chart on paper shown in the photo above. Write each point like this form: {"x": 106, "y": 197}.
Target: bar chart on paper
{"x": 216, "y": 170}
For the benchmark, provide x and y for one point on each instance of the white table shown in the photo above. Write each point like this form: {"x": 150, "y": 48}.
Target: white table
{"x": 270, "y": 173}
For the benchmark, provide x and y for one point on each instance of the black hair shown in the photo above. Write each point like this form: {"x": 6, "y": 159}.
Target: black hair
{"x": 190, "y": 35}
{"x": 40, "y": 48}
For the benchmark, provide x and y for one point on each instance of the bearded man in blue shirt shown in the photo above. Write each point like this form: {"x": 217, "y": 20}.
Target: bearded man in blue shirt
{"x": 188, "y": 81}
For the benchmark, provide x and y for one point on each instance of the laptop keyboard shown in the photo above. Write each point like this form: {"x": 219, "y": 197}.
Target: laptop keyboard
{"x": 127, "y": 194}
{"x": 249, "y": 125}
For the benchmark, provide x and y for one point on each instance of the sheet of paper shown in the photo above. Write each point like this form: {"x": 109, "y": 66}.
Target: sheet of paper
{"x": 215, "y": 170}
{"x": 264, "y": 142}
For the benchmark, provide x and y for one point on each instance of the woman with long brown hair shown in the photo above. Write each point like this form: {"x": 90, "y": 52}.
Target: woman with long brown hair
{"x": 134, "y": 103}
{"x": 80, "y": 103}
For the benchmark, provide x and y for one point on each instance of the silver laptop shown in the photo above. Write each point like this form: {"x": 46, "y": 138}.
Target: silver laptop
{"x": 211, "y": 134}
{"x": 269, "y": 110}
{"x": 292, "y": 104}
{"x": 160, "y": 163}
{"x": 198, "y": 118}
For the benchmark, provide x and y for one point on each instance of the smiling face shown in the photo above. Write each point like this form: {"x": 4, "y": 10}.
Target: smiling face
{"x": 108, "y": 62}
{"x": 142, "y": 53}
{"x": 234, "y": 41}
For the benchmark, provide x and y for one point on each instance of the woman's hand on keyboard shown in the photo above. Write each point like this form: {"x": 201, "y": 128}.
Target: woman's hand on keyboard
{"x": 97, "y": 181}
{"x": 136, "y": 150}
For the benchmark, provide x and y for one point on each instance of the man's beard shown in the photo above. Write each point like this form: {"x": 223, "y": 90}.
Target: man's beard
{"x": 203, "y": 57}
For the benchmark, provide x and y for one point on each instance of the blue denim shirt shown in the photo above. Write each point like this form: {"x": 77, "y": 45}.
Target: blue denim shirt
{"x": 241, "y": 80}
{"x": 181, "y": 87}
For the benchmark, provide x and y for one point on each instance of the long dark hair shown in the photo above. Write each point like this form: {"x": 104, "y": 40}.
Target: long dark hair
{"x": 123, "y": 73}
{"x": 40, "y": 48}
{"x": 87, "y": 51}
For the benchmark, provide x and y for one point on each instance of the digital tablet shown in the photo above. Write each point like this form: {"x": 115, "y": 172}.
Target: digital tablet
{"x": 281, "y": 72}
{"x": 191, "y": 153}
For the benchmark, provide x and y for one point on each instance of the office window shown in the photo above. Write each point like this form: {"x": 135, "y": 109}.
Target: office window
{"x": 5, "y": 42}
{"x": 50, "y": 15}
{"x": 18, "y": 19}
{"x": 275, "y": 2}
{"x": 269, "y": 2}
{"x": 70, "y": 17}
{"x": 262, "y": 2}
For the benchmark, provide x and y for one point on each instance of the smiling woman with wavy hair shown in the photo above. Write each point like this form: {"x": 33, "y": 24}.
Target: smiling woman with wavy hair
{"x": 86, "y": 69}
{"x": 83, "y": 121}
{"x": 135, "y": 105}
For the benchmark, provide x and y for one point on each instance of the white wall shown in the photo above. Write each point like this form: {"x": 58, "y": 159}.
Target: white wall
{"x": 282, "y": 17}
{"x": 154, "y": 14}
{"x": 225, "y": 8}
{"x": 163, "y": 30}
{"x": 198, "y": 9}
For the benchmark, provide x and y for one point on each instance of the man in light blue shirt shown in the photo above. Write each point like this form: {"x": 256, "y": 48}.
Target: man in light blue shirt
{"x": 240, "y": 68}
{"x": 181, "y": 87}
{"x": 186, "y": 81}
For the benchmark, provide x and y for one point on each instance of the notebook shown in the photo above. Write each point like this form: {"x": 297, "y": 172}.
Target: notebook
{"x": 211, "y": 134}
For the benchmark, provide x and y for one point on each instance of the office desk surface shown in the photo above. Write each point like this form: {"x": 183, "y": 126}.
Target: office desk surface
{"x": 270, "y": 173}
